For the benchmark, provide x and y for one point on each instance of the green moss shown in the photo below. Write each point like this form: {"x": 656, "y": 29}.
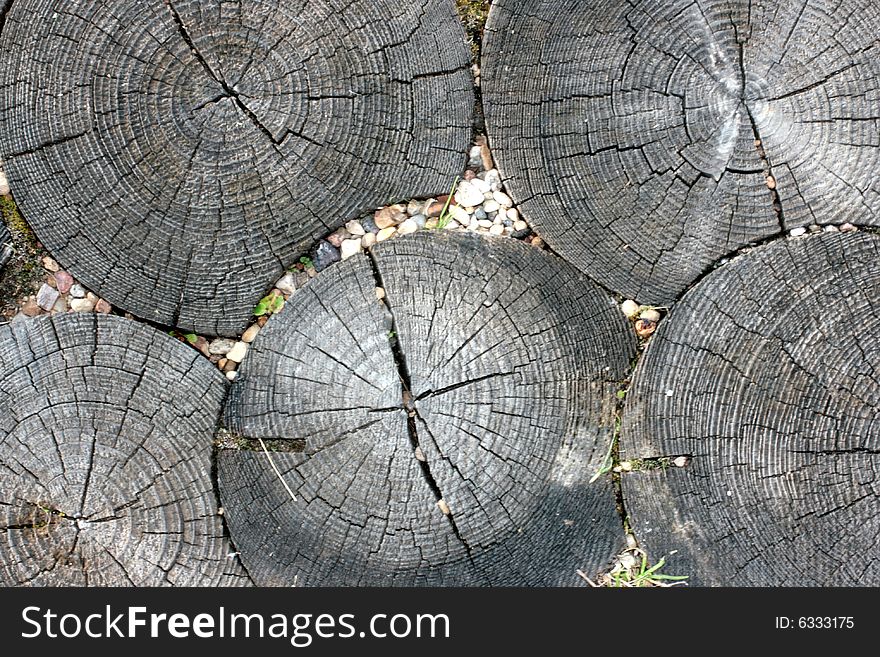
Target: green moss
{"x": 473, "y": 14}
{"x": 24, "y": 272}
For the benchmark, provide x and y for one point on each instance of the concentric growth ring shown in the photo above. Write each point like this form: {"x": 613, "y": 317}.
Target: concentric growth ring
{"x": 175, "y": 155}
{"x": 645, "y": 140}
{"x": 444, "y": 436}
{"x": 105, "y": 457}
{"x": 765, "y": 379}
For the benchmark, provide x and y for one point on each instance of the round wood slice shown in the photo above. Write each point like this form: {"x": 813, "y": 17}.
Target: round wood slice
{"x": 176, "y": 155}
{"x": 646, "y": 139}
{"x": 446, "y": 436}
{"x": 767, "y": 377}
{"x": 106, "y": 429}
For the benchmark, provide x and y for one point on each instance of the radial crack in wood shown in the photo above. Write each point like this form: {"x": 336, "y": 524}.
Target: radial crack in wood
{"x": 767, "y": 375}
{"x": 106, "y": 429}
{"x": 176, "y": 156}
{"x": 645, "y": 140}
{"x": 510, "y": 357}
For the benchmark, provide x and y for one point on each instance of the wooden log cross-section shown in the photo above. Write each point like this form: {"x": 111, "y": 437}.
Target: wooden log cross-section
{"x": 106, "y": 428}
{"x": 443, "y": 436}
{"x": 646, "y": 139}
{"x": 765, "y": 378}
{"x": 177, "y": 155}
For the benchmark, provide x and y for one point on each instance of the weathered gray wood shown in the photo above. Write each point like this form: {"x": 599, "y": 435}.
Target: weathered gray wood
{"x": 500, "y": 370}
{"x": 767, "y": 375}
{"x": 175, "y": 156}
{"x": 5, "y": 246}
{"x": 628, "y": 131}
{"x": 106, "y": 429}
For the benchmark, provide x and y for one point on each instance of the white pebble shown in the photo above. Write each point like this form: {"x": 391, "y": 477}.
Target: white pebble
{"x": 385, "y": 233}
{"x": 407, "y": 227}
{"x": 502, "y": 199}
{"x": 630, "y": 308}
{"x": 460, "y": 215}
{"x": 520, "y": 225}
{"x": 286, "y": 284}
{"x": 238, "y": 352}
{"x": 669, "y": 393}
{"x": 491, "y": 206}
{"x": 81, "y": 305}
{"x": 481, "y": 185}
{"x": 468, "y": 195}
{"x": 232, "y": 375}
{"x": 797, "y": 232}
{"x": 351, "y": 247}
{"x": 354, "y": 227}
{"x": 251, "y": 334}
{"x": 497, "y": 229}
{"x": 484, "y": 223}
{"x": 513, "y": 214}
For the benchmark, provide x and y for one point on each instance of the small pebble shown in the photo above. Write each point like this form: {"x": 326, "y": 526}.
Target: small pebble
{"x": 60, "y": 306}
{"x": 4, "y": 184}
{"x": 354, "y": 227}
{"x": 651, "y": 315}
{"x": 420, "y": 455}
{"x": 483, "y": 187}
{"x": 369, "y": 240}
{"x": 46, "y": 297}
{"x": 797, "y": 232}
{"x": 486, "y": 156}
{"x": 420, "y": 220}
{"x": 251, "y": 334}
{"x": 460, "y": 215}
{"x": 407, "y": 227}
{"x": 771, "y": 182}
{"x": 468, "y": 195}
{"x": 480, "y": 214}
{"x": 513, "y": 214}
{"x": 494, "y": 179}
{"x": 232, "y": 375}
{"x": 380, "y": 293}
{"x": 221, "y": 364}
{"x": 814, "y": 229}
{"x": 491, "y": 206}
{"x": 484, "y": 223}
{"x": 81, "y": 305}
{"x": 502, "y": 199}
{"x": 520, "y": 225}
{"x": 538, "y": 242}
{"x": 385, "y": 233}
{"x": 325, "y": 255}
{"x": 351, "y": 247}
{"x": 50, "y": 265}
{"x": 369, "y": 225}
{"x": 645, "y": 328}
{"x": 336, "y": 238}
{"x": 831, "y": 229}
{"x": 221, "y": 346}
{"x": 389, "y": 216}
{"x": 413, "y": 208}
{"x": 496, "y": 230}
{"x": 475, "y": 157}
{"x": 435, "y": 209}
{"x": 469, "y": 175}
{"x": 30, "y": 308}
{"x": 103, "y": 307}
{"x": 77, "y": 291}
{"x": 474, "y": 224}
{"x": 848, "y": 228}
{"x": 92, "y": 297}
{"x": 238, "y": 352}
{"x": 626, "y": 466}
{"x": 230, "y": 365}
{"x": 286, "y": 284}
{"x": 63, "y": 281}
{"x": 680, "y": 461}
{"x": 443, "y": 507}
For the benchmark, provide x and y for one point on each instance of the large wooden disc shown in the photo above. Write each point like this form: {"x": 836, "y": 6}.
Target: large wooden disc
{"x": 767, "y": 377}
{"x": 106, "y": 429}
{"x": 175, "y": 156}
{"x": 500, "y": 369}
{"x": 638, "y": 136}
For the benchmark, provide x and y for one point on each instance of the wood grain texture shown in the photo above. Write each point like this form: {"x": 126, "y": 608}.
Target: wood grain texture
{"x": 627, "y": 131}
{"x": 768, "y": 375}
{"x": 5, "y": 246}
{"x": 500, "y": 370}
{"x": 175, "y": 156}
{"x": 106, "y": 429}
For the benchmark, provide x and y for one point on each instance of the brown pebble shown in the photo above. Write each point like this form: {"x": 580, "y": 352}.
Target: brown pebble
{"x": 645, "y": 328}
{"x": 30, "y": 308}
{"x": 103, "y": 307}
{"x": 443, "y": 507}
{"x": 230, "y": 366}
{"x": 261, "y": 321}
{"x": 50, "y": 265}
{"x": 435, "y": 209}
{"x": 538, "y": 242}
{"x": 420, "y": 455}
{"x": 486, "y": 156}
{"x": 51, "y": 282}
{"x": 771, "y": 182}
{"x": 222, "y": 363}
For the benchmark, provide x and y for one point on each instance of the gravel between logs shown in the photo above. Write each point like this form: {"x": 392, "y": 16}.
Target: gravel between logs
{"x": 766, "y": 377}
{"x": 106, "y": 429}
{"x": 449, "y": 431}
{"x": 645, "y": 140}
{"x": 176, "y": 156}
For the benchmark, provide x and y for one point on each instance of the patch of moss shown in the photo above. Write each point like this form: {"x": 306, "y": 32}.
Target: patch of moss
{"x": 473, "y": 14}
{"x": 24, "y": 272}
